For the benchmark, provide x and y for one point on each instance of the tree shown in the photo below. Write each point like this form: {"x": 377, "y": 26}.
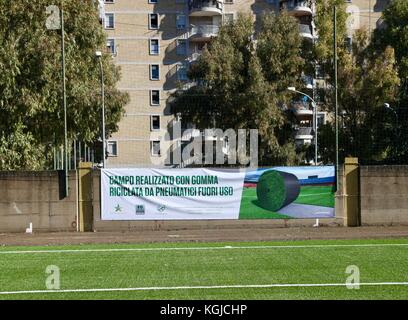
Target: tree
{"x": 322, "y": 52}
{"x": 366, "y": 79}
{"x": 325, "y": 25}
{"x": 18, "y": 151}
{"x": 242, "y": 83}
{"x": 30, "y": 79}
{"x": 394, "y": 33}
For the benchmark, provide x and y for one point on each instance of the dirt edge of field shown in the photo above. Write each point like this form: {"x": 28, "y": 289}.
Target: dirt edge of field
{"x": 205, "y": 235}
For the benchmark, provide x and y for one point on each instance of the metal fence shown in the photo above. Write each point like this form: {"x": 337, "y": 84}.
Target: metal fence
{"x": 378, "y": 138}
{"x": 78, "y": 152}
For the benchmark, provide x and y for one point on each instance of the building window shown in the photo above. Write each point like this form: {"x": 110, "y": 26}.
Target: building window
{"x": 153, "y": 21}
{"x": 232, "y": 1}
{"x": 228, "y": 18}
{"x": 154, "y": 46}
{"x": 154, "y": 72}
{"x": 152, "y": 1}
{"x": 112, "y": 148}
{"x": 154, "y": 123}
{"x": 155, "y": 148}
{"x": 154, "y": 97}
{"x": 109, "y": 21}
{"x": 182, "y": 72}
{"x": 181, "y": 47}
{"x": 110, "y": 46}
{"x": 109, "y": 1}
{"x": 181, "y": 21}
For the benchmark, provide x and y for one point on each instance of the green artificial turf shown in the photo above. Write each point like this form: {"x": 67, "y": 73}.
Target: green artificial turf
{"x": 209, "y": 267}
{"x": 251, "y": 208}
{"x": 312, "y": 195}
{"x": 316, "y": 195}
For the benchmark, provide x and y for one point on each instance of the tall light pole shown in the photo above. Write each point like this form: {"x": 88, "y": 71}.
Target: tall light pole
{"x": 336, "y": 94}
{"x": 98, "y": 54}
{"x": 55, "y": 21}
{"x": 64, "y": 94}
{"x": 314, "y": 105}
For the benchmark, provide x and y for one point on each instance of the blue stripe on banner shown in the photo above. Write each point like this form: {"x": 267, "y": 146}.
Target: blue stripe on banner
{"x": 327, "y": 180}
{"x": 305, "y": 174}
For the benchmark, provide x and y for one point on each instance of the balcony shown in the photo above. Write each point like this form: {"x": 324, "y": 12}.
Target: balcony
{"x": 202, "y": 33}
{"x": 305, "y": 31}
{"x": 302, "y": 110}
{"x": 304, "y": 135}
{"x": 101, "y": 11}
{"x": 297, "y": 8}
{"x": 195, "y": 56}
{"x": 205, "y": 8}
{"x": 189, "y": 134}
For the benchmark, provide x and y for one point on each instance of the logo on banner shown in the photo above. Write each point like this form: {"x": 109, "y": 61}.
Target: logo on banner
{"x": 140, "y": 209}
{"x": 161, "y": 208}
{"x": 118, "y": 209}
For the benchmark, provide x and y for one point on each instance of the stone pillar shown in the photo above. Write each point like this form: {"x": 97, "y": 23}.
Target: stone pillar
{"x": 85, "y": 196}
{"x": 351, "y": 187}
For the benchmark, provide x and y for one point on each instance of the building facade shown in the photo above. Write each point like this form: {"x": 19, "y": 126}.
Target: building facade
{"x": 365, "y": 14}
{"x": 154, "y": 41}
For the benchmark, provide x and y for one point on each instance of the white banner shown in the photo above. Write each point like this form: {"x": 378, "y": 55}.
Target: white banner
{"x": 207, "y": 194}
{"x": 171, "y": 194}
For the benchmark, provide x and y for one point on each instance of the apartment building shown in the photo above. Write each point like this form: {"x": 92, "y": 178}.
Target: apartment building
{"x": 154, "y": 41}
{"x": 365, "y": 14}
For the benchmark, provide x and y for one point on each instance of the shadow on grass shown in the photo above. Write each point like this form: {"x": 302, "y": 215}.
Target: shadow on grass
{"x": 257, "y": 203}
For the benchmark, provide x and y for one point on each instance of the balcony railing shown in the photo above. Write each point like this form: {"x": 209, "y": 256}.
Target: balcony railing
{"x": 203, "y": 32}
{"x": 302, "y": 109}
{"x": 205, "y": 7}
{"x": 304, "y": 133}
{"x": 194, "y": 56}
{"x": 305, "y": 31}
{"x": 101, "y": 10}
{"x": 297, "y": 7}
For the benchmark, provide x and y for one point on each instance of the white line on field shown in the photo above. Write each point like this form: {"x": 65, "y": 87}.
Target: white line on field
{"x": 210, "y": 248}
{"x": 240, "y": 286}
{"x": 314, "y": 194}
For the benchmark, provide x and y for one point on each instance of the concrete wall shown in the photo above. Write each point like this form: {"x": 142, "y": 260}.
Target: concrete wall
{"x": 384, "y": 194}
{"x": 34, "y": 197}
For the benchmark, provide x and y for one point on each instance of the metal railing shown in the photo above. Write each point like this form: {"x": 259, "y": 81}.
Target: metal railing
{"x": 204, "y": 30}
{"x": 305, "y": 29}
{"x": 199, "y": 4}
{"x": 300, "y": 105}
{"x": 292, "y": 4}
{"x": 194, "y": 56}
{"x": 77, "y": 152}
{"x": 304, "y": 131}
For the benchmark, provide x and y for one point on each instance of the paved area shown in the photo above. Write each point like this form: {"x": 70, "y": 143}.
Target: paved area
{"x": 307, "y": 211}
{"x": 201, "y": 235}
